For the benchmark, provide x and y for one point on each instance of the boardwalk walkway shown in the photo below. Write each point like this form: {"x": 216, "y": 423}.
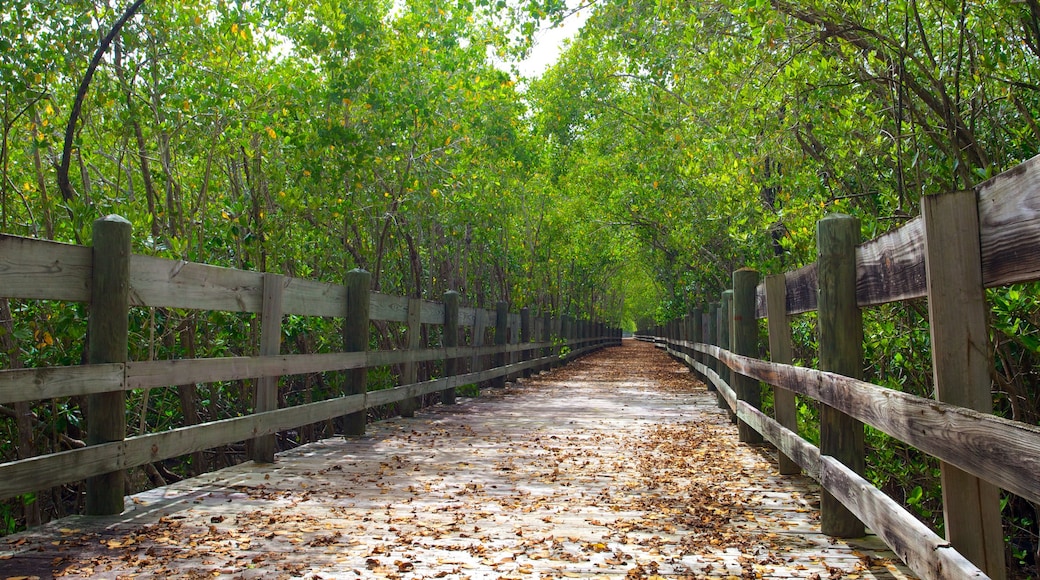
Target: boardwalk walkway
{"x": 618, "y": 466}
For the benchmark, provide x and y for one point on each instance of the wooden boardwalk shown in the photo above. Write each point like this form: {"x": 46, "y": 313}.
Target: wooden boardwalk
{"x": 618, "y": 466}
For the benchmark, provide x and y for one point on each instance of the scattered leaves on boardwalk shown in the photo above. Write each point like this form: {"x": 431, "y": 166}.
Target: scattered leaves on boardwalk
{"x": 618, "y": 466}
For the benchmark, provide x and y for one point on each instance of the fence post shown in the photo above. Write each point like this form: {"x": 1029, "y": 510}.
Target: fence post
{"x": 840, "y": 330}
{"x": 355, "y": 339}
{"x": 265, "y": 396}
{"x": 745, "y": 342}
{"x": 450, "y": 339}
{"x": 108, "y": 328}
{"x": 781, "y": 351}
{"x": 525, "y": 338}
{"x": 477, "y": 339}
{"x": 409, "y": 370}
{"x": 501, "y": 336}
{"x": 711, "y": 336}
{"x": 565, "y": 335}
{"x": 725, "y": 341}
{"x": 961, "y": 366}
{"x": 696, "y": 334}
{"x": 547, "y": 323}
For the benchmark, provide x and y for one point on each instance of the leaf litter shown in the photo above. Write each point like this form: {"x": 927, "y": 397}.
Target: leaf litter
{"x": 616, "y": 466}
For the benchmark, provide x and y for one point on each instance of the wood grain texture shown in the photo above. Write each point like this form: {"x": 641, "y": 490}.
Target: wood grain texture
{"x": 891, "y": 267}
{"x": 409, "y": 370}
{"x": 108, "y": 327}
{"x": 160, "y": 373}
{"x": 799, "y": 451}
{"x": 265, "y": 396}
{"x": 355, "y": 334}
{"x": 467, "y": 316}
{"x": 387, "y": 307}
{"x": 44, "y": 270}
{"x": 1009, "y": 223}
{"x": 744, "y": 339}
{"x": 961, "y": 366}
{"x": 840, "y": 330}
{"x": 51, "y": 382}
{"x": 781, "y": 351}
{"x": 178, "y": 284}
{"x": 1003, "y": 452}
{"x": 450, "y": 339}
{"x": 928, "y": 555}
{"x": 432, "y": 312}
{"x": 67, "y": 466}
{"x": 312, "y": 298}
{"x": 888, "y": 268}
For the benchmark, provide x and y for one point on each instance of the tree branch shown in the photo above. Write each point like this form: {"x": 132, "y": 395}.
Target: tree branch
{"x": 70, "y": 130}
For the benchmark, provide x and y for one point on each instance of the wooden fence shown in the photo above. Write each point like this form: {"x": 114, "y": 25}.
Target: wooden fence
{"x": 963, "y": 243}
{"x": 112, "y": 280}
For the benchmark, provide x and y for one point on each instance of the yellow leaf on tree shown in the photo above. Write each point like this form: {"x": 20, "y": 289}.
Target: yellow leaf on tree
{"x": 271, "y": 133}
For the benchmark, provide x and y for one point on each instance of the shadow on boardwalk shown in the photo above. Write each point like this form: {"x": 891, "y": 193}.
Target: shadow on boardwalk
{"x": 618, "y": 466}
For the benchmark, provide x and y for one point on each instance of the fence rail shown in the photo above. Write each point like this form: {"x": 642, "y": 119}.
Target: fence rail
{"x": 963, "y": 242}
{"x": 33, "y": 269}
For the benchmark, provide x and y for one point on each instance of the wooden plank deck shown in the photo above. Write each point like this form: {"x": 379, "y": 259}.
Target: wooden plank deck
{"x": 618, "y": 466}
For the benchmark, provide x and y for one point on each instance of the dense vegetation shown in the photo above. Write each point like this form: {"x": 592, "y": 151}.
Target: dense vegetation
{"x": 672, "y": 143}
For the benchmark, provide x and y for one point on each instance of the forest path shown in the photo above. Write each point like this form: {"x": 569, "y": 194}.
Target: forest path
{"x": 619, "y": 465}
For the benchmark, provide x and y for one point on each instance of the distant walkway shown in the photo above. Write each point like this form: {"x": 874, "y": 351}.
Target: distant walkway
{"x": 618, "y": 466}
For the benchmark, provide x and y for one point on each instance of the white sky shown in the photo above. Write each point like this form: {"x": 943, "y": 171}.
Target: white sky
{"x": 548, "y": 44}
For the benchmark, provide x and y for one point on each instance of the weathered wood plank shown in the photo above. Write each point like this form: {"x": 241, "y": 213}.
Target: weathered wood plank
{"x": 56, "y": 468}
{"x": 781, "y": 351}
{"x": 961, "y": 366}
{"x": 891, "y": 267}
{"x": 178, "y": 284}
{"x": 432, "y": 312}
{"x": 409, "y": 370}
{"x": 44, "y": 270}
{"x": 147, "y": 374}
{"x": 467, "y": 316}
{"x": 313, "y": 298}
{"x": 1009, "y": 222}
{"x": 387, "y": 307}
{"x": 798, "y": 450}
{"x": 925, "y": 553}
{"x": 1001, "y": 451}
{"x": 51, "y": 382}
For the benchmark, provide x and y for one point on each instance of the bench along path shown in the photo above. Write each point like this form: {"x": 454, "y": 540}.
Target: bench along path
{"x": 618, "y": 466}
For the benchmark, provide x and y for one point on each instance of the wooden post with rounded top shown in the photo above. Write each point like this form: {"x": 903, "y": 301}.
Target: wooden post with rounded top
{"x": 840, "y": 329}
{"x": 745, "y": 342}
{"x": 355, "y": 339}
{"x": 108, "y": 327}
{"x": 450, "y": 339}
{"x": 547, "y": 323}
